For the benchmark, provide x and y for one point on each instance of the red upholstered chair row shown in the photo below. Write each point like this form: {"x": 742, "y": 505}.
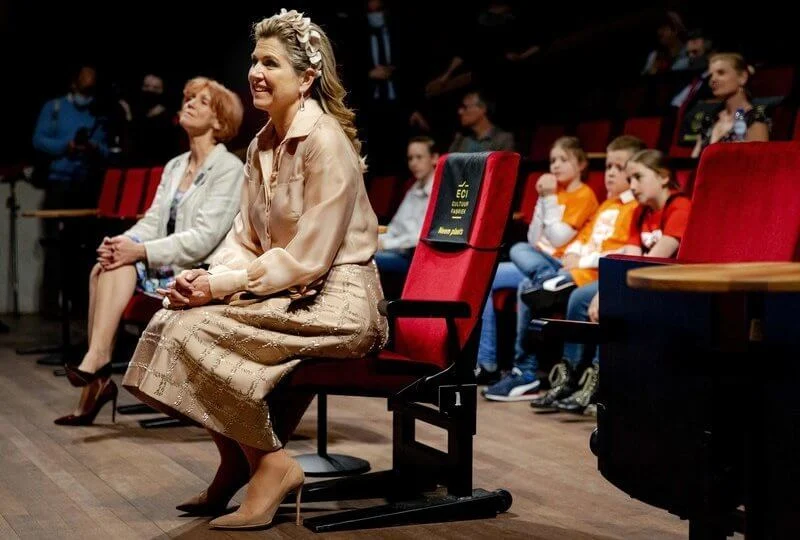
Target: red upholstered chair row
{"x": 128, "y": 193}
{"x": 595, "y": 135}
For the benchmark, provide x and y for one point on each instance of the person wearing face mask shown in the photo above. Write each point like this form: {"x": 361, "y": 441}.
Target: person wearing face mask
{"x": 154, "y": 135}
{"x": 70, "y": 133}
{"x": 70, "y": 141}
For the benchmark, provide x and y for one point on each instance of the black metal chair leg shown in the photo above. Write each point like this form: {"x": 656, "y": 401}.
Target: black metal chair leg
{"x": 138, "y": 408}
{"x": 163, "y": 422}
{"x": 323, "y": 464}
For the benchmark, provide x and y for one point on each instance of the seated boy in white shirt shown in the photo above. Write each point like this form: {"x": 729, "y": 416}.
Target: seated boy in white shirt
{"x": 396, "y": 245}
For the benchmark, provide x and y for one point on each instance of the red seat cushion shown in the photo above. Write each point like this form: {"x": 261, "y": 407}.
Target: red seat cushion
{"x": 378, "y": 375}
{"x": 140, "y": 309}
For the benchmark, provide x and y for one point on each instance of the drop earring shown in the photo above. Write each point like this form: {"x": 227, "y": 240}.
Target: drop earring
{"x": 302, "y": 102}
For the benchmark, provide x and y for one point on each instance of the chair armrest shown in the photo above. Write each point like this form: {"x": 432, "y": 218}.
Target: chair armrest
{"x": 61, "y": 213}
{"x": 424, "y": 309}
{"x": 563, "y": 330}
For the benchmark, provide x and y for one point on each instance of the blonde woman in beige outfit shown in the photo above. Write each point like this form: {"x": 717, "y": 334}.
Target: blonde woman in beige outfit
{"x": 294, "y": 278}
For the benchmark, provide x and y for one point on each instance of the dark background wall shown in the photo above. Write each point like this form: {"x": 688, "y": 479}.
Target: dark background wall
{"x": 587, "y": 45}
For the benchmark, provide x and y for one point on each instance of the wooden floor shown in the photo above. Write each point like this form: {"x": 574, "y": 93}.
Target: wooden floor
{"x": 120, "y": 481}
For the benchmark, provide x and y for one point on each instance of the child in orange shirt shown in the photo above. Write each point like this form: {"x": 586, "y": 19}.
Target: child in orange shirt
{"x": 655, "y": 231}
{"x": 614, "y": 222}
{"x": 565, "y": 204}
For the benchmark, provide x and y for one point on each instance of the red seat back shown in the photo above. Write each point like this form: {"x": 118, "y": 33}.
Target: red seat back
{"x": 685, "y": 178}
{"x": 543, "y": 139}
{"x": 461, "y": 273}
{"x": 132, "y": 192}
{"x": 153, "y": 180}
{"x": 796, "y": 132}
{"x": 527, "y": 204}
{"x": 597, "y": 181}
{"x": 594, "y": 136}
{"x": 775, "y": 81}
{"x": 728, "y": 223}
{"x": 382, "y": 194}
{"x": 647, "y": 128}
{"x": 107, "y": 205}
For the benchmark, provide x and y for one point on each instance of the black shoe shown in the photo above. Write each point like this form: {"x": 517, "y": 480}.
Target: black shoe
{"x": 544, "y": 301}
{"x": 562, "y": 384}
{"x": 577, "y": 402}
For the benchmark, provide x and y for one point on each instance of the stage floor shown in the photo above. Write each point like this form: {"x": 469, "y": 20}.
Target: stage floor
{"x": 121, "y": 481}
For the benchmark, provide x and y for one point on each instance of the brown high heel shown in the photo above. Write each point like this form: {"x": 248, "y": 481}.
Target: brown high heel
{"x": 110, "y": 392}
{"x": 293, "y": 480}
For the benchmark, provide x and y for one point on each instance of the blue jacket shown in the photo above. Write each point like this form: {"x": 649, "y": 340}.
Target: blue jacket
{"x": 59, "y": 122}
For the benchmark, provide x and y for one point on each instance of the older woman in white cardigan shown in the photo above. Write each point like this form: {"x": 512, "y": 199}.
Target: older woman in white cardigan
{"x": 193, "y": 209}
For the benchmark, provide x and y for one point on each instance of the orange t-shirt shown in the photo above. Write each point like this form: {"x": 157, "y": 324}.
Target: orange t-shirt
{"x": 577, "y": 207}
{"x": 648, "y": 226}
{"x": 607, "y": 232}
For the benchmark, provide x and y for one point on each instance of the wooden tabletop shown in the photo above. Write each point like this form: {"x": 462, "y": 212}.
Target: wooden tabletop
{"x": 732, "y": 277}
{"x": 62, "y": 213}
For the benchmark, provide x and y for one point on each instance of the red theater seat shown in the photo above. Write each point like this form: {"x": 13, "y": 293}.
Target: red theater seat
{"x": 153, "y": 180}
{"x": 594, "y": 136}
{"x": 427, "y": 372}
{"x": 132, "y": 193}
{"x": 648, "y": 129}
{"x": 543, "y": 139}
{"x": 382, "y": 194}
{"x": 597, "y": 181}
{"x": 775, "y": 81}
{"x": 728, "y": 224}
{"x": 107, "y": 204}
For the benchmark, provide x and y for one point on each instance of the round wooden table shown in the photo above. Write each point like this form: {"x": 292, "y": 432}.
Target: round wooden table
{"x": 742, "y": 285}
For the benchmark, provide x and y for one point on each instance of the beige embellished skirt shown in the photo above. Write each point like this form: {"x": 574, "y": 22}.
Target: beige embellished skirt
{"x": 217, "y": 364}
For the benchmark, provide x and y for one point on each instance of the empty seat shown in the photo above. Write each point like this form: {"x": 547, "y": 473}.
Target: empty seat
{"x": 107, "y": 204}
{"x": 543, "y": 138}
{"x": 772, "y": 82}
{"x": 382, "y": 194}
{"x": 647, "y": 128}
{"x": 594, "y": 136}
{"x": 132, "y": 193}
{"x": 767, "y": 231}
{"x": 153, "y": 180}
